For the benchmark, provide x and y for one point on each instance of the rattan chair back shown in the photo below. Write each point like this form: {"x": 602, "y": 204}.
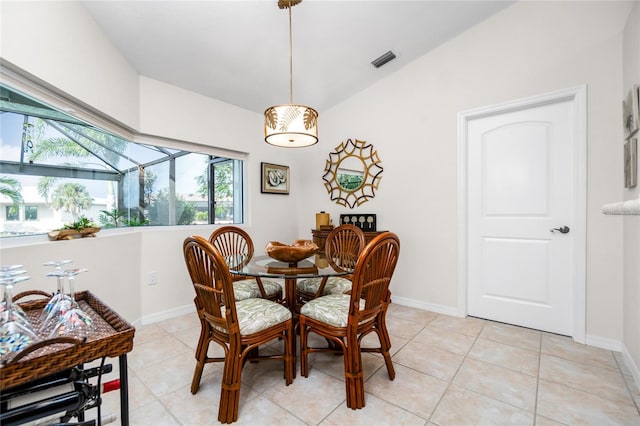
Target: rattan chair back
{"x": 212, "y": 281}
{"x": 234, "y": 244}
{"x": 344, "y": 245}
{"x": 372, "y": 276}
{"x": 236, "y": 247}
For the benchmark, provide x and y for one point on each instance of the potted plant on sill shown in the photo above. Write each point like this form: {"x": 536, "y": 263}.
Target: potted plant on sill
{"x": 81, "y": 228}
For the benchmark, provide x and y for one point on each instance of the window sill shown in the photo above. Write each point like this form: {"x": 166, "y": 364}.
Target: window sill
{"x": 630, "y": 207}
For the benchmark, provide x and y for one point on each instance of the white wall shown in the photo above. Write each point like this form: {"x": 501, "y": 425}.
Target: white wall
{"x": 631, "y": 224}
{"x": 113, "y": 261}
{"x": 410, "y": 117}
{"x": 59, "y": 43}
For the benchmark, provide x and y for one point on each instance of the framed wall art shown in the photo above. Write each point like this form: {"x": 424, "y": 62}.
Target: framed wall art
{"x": 631, "y": 163}
{"x": 275, "y": 179}
{"x": 631, "y": 112}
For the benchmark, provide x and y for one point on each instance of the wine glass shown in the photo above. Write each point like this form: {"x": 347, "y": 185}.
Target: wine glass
{"x": 73, "y": 320}
{"x": 59, "y": 300}
{"x": 14, "y": 334}
{"x": 8, "y": 271}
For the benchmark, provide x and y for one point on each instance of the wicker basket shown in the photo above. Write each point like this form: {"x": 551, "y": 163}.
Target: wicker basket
{"x": 112, "y": 336}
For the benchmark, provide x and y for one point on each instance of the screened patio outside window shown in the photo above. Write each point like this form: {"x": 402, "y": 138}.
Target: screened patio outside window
{"x": 63, "y": 169}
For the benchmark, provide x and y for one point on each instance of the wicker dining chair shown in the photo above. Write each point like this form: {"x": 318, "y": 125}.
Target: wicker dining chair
{"x": 235, "y": 243}
{"x": 240, "y": 327}
{"x": 342, "y": 248}
{"x": 346, "y": 319}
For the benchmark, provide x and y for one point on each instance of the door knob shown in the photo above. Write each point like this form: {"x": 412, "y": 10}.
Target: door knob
{"x": 562, "y": 230}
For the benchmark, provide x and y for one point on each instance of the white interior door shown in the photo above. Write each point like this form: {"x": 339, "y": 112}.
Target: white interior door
{"x": 520, "y": 196}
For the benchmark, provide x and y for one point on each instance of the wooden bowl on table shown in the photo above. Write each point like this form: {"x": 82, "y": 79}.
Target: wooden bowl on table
{"x": 291, "y": 254}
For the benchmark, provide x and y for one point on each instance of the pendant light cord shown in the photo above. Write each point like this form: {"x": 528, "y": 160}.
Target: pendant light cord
{"x": 290, "y": 58}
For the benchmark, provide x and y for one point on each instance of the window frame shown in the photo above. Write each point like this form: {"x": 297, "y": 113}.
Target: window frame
{"x": 57, "y": 101}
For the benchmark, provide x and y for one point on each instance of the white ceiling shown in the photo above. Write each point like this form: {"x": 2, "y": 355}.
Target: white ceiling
{"x": 238, "y": 51}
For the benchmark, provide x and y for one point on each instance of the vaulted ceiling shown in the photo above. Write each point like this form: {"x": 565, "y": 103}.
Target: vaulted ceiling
{"x": 238, "y": 51}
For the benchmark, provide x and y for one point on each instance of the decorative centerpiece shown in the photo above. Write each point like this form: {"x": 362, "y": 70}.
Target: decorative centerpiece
{"x": 81, "y": 228}
{"x": 291, "y": 254}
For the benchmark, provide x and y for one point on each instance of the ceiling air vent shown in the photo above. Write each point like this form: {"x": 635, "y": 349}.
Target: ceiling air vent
{"x": 378, "y": 62}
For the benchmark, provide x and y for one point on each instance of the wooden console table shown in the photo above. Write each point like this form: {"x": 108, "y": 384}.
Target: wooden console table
{"x": 320, "y": 236}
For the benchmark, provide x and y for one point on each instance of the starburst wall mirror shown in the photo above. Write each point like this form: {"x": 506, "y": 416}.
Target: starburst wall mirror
{"x": 352, "y": 173}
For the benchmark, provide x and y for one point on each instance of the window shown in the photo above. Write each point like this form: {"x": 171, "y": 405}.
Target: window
{"x": 12, "y": 213}
{"x": 30, "y": 213}
{"x": 227, "y": 194}
{"x": 62, "y": 169}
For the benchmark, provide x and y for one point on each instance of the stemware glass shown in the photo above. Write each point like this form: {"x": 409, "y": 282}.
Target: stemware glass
{"x": 14, "y": 334}
{"x": 73, "y": 320}
{"x": 8, "y": 271}
{"x": 60, "y": 300}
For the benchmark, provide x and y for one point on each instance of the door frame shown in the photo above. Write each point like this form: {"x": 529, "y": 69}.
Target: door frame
{"x": 578, "y": 98}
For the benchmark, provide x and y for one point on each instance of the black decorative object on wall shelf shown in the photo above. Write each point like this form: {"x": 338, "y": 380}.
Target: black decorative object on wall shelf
{"x": 364, "y": 221}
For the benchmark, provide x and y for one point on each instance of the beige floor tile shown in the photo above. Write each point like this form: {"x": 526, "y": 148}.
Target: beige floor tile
{"x": 152, "y": 414}
{"x": 469, "y": 326}
{"x": 139, "y": 396}
{"x": 182, "y": 322}
{"x": 188, "y": 336}
{"x": 264, "y": 375}
{"x": 463, "y": 407}
{"x": 155, "y": 351}
{"x": 201, "y": 408}
{"x": 428, "y": 359}
{"x": 403, "y": 328}
{"x": 412, "y": 314}
{"x": 371, "y": 341}
{"x": 198, "y": 409}
{"x": 375, "y": 412}
{"x": 449, "y": 371}
{"x": 544, "y": 421}
{"x": 334, "y": 364}
{"x": 416, "y": 392}
{"x": 516, "y": 359}
{"x": 172, "y": 374}
{"x": 603, "y": 382}
{"x": 571, "y": 406}
{"x": 445, "y": 339}
{"x": 520, "y": 337}
{"x": 262, "y": 411}
{"x": 311, "y": 398}
{"x": 147, "y": 333}
{"x": 498, "y": 383}
{"x": 565, "y": 347}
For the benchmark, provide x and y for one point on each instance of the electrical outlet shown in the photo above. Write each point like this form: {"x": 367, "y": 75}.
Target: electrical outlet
{"x": 152, "y": 278}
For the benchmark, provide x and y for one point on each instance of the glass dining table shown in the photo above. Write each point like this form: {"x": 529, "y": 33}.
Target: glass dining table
{"x": 266, "y": 267}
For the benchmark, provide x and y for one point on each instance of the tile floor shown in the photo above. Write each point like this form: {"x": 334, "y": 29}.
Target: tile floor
{"x": 449, "y": 371}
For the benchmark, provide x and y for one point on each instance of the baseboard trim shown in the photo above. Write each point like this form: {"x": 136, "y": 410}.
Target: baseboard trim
{"x": 603, "y": 343}
{"x": 439, "y": 309}
{"x": 631, "y": 365}
{"x": 168, "y": 314}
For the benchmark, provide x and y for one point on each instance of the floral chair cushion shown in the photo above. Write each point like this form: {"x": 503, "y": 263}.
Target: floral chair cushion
{"x": 335, "y": 285}
{"x": 255, "y": 315}
{"x": 332, "y": 309}
{"x": 248, "y": 289}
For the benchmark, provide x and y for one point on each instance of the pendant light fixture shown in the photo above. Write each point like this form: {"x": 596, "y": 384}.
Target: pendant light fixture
{"x": 290, "y": 125}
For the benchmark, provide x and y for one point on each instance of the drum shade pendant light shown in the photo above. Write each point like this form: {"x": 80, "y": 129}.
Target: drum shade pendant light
{"x": 290, "y": 125}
